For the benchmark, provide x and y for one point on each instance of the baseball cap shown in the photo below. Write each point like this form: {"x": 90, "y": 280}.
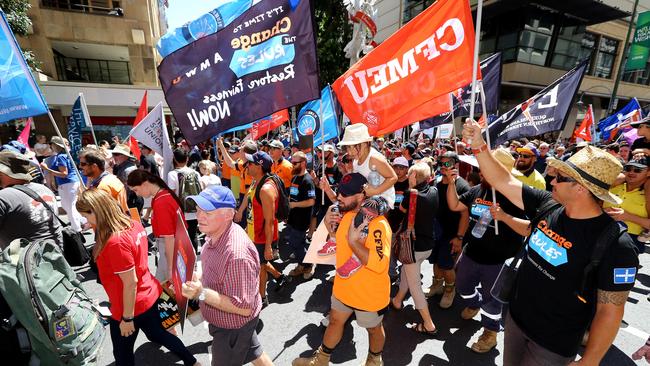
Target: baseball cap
{"x": 233, "y": 149}
{"x": 529, "y": 148}
{"x": 260, "y": 158}
{"x": 639, "y": 163}
{"x": 352, "y": 184}
{"x": 276, "y": 144}
{"x": 400, "y": 160}
{"x": 213, "y": 198}
{"x": 409, "y": 146}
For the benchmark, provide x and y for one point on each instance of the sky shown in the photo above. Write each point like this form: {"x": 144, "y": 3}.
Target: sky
{"x": 182, "y": 11}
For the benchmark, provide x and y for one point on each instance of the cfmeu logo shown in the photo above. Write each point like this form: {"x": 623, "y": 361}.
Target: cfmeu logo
{"x": 378, "y": 245}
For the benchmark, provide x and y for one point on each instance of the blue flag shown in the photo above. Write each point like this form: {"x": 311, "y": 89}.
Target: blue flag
{"x": 75, "y": 124}
{"x": 20, "y": 97}
{"x": 310, "y": 121}
{"x": 611, "y": 125}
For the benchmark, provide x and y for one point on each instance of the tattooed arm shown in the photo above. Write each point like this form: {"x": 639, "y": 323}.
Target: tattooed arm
{"x": 609, "y": 313}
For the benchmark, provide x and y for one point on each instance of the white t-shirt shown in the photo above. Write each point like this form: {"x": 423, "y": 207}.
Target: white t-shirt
{"x": 210, "y": 180}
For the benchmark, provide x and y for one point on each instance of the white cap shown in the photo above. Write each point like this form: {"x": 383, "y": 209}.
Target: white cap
{"x": 400, "y": 160}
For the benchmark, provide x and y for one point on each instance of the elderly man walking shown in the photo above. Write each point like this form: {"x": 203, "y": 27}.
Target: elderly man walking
{"x": 227, "y": 287}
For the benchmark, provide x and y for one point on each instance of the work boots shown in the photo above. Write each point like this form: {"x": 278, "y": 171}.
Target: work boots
{"x": 486, "y": 341}
{"x": 319, "y": 358}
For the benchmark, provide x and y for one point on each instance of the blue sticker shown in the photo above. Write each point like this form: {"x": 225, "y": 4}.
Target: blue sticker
{"x": 624, "y": 275}
{"x": 293, "y": 191}
{"x": 311, "y": 193}
{"x": 477, "y": 210}
{"x": 547, "y": 248}
{"x": 399, "y": 198}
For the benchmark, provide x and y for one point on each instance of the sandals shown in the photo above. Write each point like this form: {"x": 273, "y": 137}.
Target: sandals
{"x": 421, "y": 329}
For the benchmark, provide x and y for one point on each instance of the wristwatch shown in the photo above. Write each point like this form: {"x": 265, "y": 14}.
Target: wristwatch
{"x": 202, "y": 295}
{"x": 127, "y": 319}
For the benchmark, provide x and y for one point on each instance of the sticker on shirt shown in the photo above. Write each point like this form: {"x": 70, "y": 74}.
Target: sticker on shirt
{"x": 624, "y": 276}
{"x": 293, "y": 191}
{"x": 63, "y": 328}
{"x": 330, "y": 177}
{"x": 311, "y": 193}
{"x": 398, "y": 198}
{"x": 549, "y": 245}
{"x": 479, "y": 206}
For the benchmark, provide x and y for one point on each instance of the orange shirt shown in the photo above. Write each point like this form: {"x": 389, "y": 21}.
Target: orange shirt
{"x": 283, "y": 169}
{"x": 226, "y": 171}
{"x": 113, "y": 186}
{"x": 246, "y": 180}
{"x": 369, "y": 288}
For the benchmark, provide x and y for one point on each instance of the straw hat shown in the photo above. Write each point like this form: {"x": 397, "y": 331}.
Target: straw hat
{"x": 122, "y": 149}
{"x": 58, "y": 141}
{"x": 15, "y": 165}
{"x": 506, "y": 159}
{"x": 593, "y": 168}
{"x": 355, "y": 134}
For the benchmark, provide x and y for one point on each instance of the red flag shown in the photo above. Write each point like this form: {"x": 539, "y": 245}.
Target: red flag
{"x": 142, "y": 112}
{"x": 269, "y": 124}
{"x": 584, "y": 131}
{"x": 23, "y": 138}
{"x": 396, "y": 83}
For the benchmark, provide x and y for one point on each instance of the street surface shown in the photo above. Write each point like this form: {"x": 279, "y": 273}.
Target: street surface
{"x": 289, "y": 327}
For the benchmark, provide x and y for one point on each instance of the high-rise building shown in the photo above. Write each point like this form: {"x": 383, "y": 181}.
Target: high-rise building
{"x": 104, "y": 49}
{"x": 541, "y": 40}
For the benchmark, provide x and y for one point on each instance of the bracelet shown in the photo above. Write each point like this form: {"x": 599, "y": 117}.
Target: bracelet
{"x": 127, "y": 319}
{"x": 460, "y": 237}
{"x": 480, "y": 149}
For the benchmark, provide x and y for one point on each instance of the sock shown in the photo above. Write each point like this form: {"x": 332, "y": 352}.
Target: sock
{"x": 378, "y": 354}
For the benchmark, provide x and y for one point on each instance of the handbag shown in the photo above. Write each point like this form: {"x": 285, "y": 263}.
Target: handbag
{"x": 403, "y": 249}
{"x": 74, "y": 250}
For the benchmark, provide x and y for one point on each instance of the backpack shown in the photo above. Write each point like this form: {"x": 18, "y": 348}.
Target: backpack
{"x": 47, "y": 299}
{"x": 188, "y": 185}
{"x": 282, "y": 213}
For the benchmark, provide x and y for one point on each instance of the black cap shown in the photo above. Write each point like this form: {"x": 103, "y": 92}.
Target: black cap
{"x": 639, "y": 163}
{"x": 409, "y": 146}
{"x": 352, "y": 184}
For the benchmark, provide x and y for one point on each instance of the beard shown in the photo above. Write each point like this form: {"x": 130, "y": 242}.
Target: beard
{"x": 296, "y": 170}
{"x": 522, "y": 167}
{"x": 351, "y": 207}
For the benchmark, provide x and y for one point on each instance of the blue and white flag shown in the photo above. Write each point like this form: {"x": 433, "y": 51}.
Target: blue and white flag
{"x": 76, "y": 122}
{"x": 20, "y": 97}
{"x": 546, "y": 111}
{"x": 310, "y": 121}
{"x": 610, "y": 126}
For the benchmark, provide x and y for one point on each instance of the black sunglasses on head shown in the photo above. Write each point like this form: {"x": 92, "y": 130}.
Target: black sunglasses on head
{"x": 346, "y": 161}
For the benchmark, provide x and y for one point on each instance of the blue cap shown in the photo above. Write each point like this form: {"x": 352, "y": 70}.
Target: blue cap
{"x": 261, "y": 158}
{"x": 14, "y": 146}
{"x": 213, "y": 198}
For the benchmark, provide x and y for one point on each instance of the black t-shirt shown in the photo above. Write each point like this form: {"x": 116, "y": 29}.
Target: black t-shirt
{"x": 490, "y": 248}
{"x": 425, "y": 211}
{"x": 447, "y": 218}
{"x": 334, "y": 176}
{"x": 302, "y": 188}
{"x": 545, "y": 303}
{"x": 395, "y": 216}
{"x": 149, "y": 164}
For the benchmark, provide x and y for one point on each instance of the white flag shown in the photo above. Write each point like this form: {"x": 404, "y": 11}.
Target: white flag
{"x": 445, "y": 131}
{"x": 152, "y": 132}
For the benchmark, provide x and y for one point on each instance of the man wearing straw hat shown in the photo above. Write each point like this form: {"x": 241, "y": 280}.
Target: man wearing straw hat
{"x": 555, "y": 296}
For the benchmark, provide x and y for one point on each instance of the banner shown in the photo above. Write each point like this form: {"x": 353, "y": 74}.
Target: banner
{"x": 610, "y": 126}
{"x": 310, "y": 121}
{"x": 445, "y": 131}
{"x": 183, "y": 265}
{"x": 142, "y": 112}
{"x": 430, "y": 56}
{"x": 20, "y": 97}
{"x": 23, "y": 138}
{"x": 270, "y": 123}
{"x": 584, "y": 131}
{"x": 546, "y": 111}
{"x": 152, "y": 132}
{"x": 76, "y": 122}
{"x": 263, "y": 62}
{"x": 491, "y": 72}
{"x": 640, "y": 49}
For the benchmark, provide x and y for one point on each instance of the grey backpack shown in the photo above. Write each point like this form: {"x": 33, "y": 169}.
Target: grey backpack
{"x": 47, "y": 299}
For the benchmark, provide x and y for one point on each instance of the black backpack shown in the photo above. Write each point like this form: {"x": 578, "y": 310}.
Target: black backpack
{"x": 282, "y": 213}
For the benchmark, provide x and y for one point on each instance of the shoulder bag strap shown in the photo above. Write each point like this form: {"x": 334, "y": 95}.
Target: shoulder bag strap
{"x": 35, "y": 196}
{"x": 413, "y": 201}
{"x": 608, "y": 235}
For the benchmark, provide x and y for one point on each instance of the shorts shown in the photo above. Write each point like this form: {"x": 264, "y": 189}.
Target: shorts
{"x": 441, "y": 254}
{"x": 235, "y": 346}
{"x": 260, "y": 251}
{"x": 365, "y": 319}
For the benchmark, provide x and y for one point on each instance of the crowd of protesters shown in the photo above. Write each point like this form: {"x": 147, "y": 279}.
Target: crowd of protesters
{"x": 547, "y": 204}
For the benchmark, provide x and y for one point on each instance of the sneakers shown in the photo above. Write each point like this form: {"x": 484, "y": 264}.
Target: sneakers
{"x": 448, "y": 295}
{"x": 319, "y": 358}
{"x": 373, "y": 360}
{"x": 469, "y": 313}
{"x": 349, "y": 268}
{"x": 281, "y": 282}
{"x": 436, "y": 288}
{"x": 328, "y": 249}
{"x": 486, "y": 342}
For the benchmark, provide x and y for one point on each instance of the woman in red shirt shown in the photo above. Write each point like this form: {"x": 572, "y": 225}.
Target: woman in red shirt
{"x": 120, "y": 252}
{"x": 165, "y": 208}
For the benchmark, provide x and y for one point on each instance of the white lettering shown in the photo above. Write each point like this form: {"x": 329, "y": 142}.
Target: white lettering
{"x": 459, "y": 33}
{"x": 205, "y": 64}
{"x": 361, "y": 76}
{"x": 380, "y": 79}
{"x": 408, "y": 66}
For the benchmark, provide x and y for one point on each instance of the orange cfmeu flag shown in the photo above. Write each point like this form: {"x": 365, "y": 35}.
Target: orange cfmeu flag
{"x": 584, "y": 131}
{"x": 397, "y": 83}
{"x": 269, "y": 124}
{"x": 142, "y": 112}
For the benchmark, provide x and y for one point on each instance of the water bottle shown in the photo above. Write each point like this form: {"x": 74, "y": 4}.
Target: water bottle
{"x": 335, "y": 225}
{"x": 481, "y": 226}
{"x": 374, "y": 178}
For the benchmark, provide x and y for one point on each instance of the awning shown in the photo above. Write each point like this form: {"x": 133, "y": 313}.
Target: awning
{"x": 586, "y": 12}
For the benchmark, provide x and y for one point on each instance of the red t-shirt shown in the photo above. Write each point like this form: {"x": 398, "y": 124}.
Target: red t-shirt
{"x": 164, "y": 214}
{"x": 123, "y": 251}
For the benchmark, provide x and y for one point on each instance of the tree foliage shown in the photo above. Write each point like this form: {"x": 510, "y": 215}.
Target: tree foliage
{"x": 333, "y": 33}
{"x": 19, "y": 22}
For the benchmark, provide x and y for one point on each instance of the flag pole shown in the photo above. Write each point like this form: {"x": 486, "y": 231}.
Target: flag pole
{"x": 322, "y": 146}
{"x": 84, "y": 107}
{"x": 453, "y": 123}
{"x": 487, "y": 139}
{"x": 67, "y": 151}
{"x": 477, "y": 40}
{"x": 593, "y": 124}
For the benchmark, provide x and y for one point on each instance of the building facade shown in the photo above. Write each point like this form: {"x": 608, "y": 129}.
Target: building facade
{"x": 539, "y": 43}
{"x": 104, "y": 49}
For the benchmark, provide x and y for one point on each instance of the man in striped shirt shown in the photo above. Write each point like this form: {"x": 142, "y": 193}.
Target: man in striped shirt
{"x": 228, "y": 287}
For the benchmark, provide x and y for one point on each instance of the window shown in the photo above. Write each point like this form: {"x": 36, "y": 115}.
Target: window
{"x": 86, "y": 6}
{"x": 92, "y": 71}
{"x": 604, "y": 63}
{"x": 414, "y": 7}
{"x": 639, "y": 76}
{"x": 573, "y": 45}
{"x": 535, "y": 39}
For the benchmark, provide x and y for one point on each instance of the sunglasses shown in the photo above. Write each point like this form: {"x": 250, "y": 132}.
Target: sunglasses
{"x": 563, "y": 179}
{"x": 525, "y": 156}
{"x": 346, "y": 161}
{"x": 448, "y": 164}
{"x": 630, "y": 169}
{"x": 81, "y": 163}
{"x": 297, "y": 162}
